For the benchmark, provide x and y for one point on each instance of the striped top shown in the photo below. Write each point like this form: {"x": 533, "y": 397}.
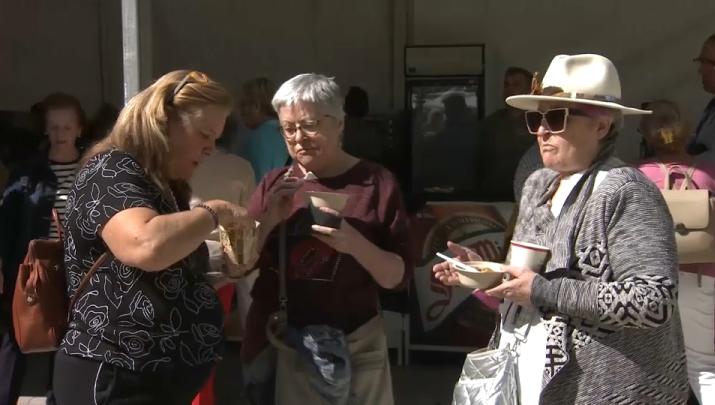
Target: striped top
{"x": 65, "y": 173}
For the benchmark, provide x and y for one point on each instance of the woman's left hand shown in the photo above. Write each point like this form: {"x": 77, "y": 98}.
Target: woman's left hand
{"x": 518, "y": 288}
{"x": 346, "y": 239}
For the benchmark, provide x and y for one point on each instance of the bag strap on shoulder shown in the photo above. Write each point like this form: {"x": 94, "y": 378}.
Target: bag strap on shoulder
{"x": 688, "y": 180}
{"x": 58, "y": 224}
{"x": 666, "y": 175}
{"x": 83, "y": 283}
{"x": 687, "y": 183}
{"x": 282, "y": 240}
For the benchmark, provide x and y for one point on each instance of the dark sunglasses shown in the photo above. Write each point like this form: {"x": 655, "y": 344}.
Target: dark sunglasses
{"x": 555, "y": 119}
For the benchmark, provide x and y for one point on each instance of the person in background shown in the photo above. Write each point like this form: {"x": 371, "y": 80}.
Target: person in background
{"x": 455, "y": 136}
{"x": 361, "y": 138}
{"x": 34, "y": 189}
{"x": 224, "y": 176}
{"x": 228, "y": 177}
{"x": 502, "y": 139}
{"x": 22, "y": 135}
{"x": 704, "y": 140}
{"x": 4, "y": 171}
{"x": 101, "y": 123}
{"x": 666, "y": 134}
{"x": 263, "y": 145}
{"x": 529, "y": 162}
{"x": 146, "y": 329}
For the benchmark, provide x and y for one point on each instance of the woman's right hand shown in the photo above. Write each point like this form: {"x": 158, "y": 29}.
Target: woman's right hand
{"x": 229, "y": 213}
{"x": 445, "y": 272}
{"x": 280, "y": 198}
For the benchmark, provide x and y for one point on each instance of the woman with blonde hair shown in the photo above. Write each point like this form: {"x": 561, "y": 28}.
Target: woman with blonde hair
{"x": 667, "y": 133}
{"x": 146, "y": 327}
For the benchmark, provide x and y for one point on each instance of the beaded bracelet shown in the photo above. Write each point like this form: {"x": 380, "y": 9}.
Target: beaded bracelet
{"x": 211, "y": 211}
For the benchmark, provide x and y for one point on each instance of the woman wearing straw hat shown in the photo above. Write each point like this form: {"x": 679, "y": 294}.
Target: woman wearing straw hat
{"x": 603, "y": 312}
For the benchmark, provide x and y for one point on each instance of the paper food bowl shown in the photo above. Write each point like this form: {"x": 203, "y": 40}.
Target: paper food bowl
{"x": 481, "y": 275}
{"x": 318, "y": 199}
{"x": 334, "y": 201}
{"x": 239, "y": 244}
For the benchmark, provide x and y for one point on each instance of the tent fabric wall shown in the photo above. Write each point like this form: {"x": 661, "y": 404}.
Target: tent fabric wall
{"x": 46, "y": 45}
{"x": 652, "y": 42}
{"x": 238, "y": 40}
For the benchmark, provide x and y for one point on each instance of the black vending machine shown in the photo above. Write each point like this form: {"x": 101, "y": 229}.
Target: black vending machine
{"x": 444, "y": 100}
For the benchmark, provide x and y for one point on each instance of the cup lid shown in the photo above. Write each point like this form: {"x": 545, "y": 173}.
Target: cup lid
{"x": 530, "y": 246}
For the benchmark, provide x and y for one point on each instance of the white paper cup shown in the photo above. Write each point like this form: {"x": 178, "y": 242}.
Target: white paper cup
{"x": 529, "y": 255}
{"x": 318, "y": 199}
{"x": 240, "y": 246}
{"x": 334, "y": 201}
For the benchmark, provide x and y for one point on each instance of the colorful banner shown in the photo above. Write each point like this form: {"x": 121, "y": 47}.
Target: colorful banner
{"x": 446, "y": 314}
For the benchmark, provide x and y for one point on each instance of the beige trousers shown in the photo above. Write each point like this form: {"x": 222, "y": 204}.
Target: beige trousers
{"x": 371, "y": 382}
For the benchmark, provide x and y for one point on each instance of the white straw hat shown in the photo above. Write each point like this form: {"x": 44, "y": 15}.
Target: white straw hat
{"x": 585, "y": 79}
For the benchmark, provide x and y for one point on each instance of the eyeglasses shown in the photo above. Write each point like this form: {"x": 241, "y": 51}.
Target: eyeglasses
{"x": 706, "y": 61}
{"x": 191, "y": 77}
{"x": 556, "y": 119}
{"x": 309, "y": 128}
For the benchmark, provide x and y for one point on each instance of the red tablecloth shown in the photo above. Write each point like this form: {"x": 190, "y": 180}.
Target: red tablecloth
{"x": 206, "y": 395}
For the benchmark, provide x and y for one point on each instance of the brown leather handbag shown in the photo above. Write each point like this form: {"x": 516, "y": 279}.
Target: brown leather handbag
{"x": 39, "y": 307}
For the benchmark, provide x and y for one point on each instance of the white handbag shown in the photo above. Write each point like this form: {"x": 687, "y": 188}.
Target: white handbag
{"x": 488, "y": 378}
{"x": 693, "y": 212}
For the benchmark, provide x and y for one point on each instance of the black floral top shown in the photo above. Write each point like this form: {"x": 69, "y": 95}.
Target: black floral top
{"x": 135, "y": 319}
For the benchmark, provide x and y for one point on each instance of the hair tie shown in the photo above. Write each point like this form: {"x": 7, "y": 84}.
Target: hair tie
{"x": 667, "y": 135}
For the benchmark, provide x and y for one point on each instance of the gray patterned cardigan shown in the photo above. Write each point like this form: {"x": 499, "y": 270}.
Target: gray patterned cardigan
{"x": 608, "y": 298}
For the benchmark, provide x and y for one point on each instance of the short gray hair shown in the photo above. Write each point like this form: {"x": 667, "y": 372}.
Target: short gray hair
{"x": 313, "y": 88}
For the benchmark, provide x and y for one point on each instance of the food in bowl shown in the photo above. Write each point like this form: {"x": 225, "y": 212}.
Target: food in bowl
{"x": 480, "y": 275}
{"x": 239, "y": 243}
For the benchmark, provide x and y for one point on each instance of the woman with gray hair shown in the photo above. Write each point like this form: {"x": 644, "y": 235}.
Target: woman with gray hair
{"x": 333, "y": 272}
{"x": 599, "y": 324}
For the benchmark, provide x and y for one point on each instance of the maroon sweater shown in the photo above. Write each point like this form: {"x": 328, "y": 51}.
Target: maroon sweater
{"x": 324, "y": 286}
